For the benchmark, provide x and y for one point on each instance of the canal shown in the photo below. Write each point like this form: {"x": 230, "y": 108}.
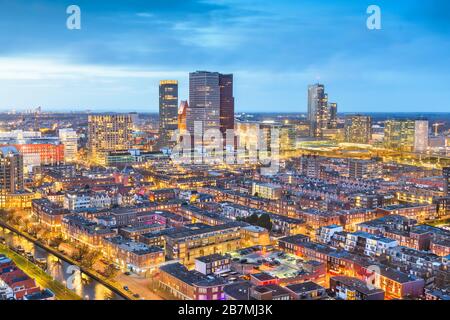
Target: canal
{"x": 60, "y": 270}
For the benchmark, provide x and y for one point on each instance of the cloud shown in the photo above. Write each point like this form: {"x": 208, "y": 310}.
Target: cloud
{"x": 47, "y": 69}
{"x": 274, "y": 48}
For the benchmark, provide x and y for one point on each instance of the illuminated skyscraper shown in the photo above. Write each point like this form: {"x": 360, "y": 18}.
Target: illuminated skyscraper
{"x": 333, "y": 109}
{"x": 226, "y": 102}
{"x": 107, "y": 133}
{"x": 399, "y": 135}
{"x": 318, "y": 112}
{"x": 421, "y": 136}
{"x": 358, "y": 129}
{"x": 211, "y": 103}
{"x": 446, "y": 174}
{"x": 168, "y": 112}
{"x": 11, "y": 170}
{"x": 204, "y": 102}
{"x": 406, "y": 135}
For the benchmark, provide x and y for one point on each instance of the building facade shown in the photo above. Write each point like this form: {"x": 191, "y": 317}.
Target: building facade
{"x": 108, "y": 133}
{"x": 168, "y": 112}
{"x": 318, "y": 112}
{"x": 358, "y": 129}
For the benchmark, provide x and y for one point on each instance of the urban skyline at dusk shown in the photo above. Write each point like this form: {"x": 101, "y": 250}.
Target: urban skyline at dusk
{"x": 274, "y": 49}
{"x": 257, "y": 154}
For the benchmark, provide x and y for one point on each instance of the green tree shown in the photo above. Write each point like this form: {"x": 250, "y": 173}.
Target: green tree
{"x": 110, "y": 272}
{"x": 264, "y": 221}
{"x": 253, "y": 219}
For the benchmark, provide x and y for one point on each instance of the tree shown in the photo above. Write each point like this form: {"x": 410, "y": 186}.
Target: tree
{"x": 264, "y": 221}
{"x": 3, "y": 214}
{"x": 253, "y": 219}
{"x": 261, "y": 221}
{"x": 90, "y": 259}
{"x": 110, "y": 272}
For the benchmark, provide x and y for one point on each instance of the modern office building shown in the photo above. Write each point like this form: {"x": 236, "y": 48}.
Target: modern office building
{"x": 421, "y": 136}
{"x": 108, "y": 133}
{"x": 406, "y": 135}
{"x": 446, "y": 174}
{"x": 168, "y": 112}
{"x": 399, "y": 135}
{"x": 358, "y": 129}
{"x": 211, "y": 104}
{"x": 11, "y": 179}
{"x": 226, "y": 102}
{"x": 69, "y": 139}
{"x": 204, "y": 102}
{"x": 318, "y": 112}
{"x": 11, "y": 170}
{"x": 37, "y": 152}
{"x": 333, "y": 110}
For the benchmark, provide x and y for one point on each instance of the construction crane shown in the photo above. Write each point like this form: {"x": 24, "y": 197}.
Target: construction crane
{"x": 436, "y": 126}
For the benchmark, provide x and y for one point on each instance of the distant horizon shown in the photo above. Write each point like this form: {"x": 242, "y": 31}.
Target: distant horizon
{"x": 87, "y": 111}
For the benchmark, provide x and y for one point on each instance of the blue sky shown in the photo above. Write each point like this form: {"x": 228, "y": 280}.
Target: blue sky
{"x": 274, "y": 48}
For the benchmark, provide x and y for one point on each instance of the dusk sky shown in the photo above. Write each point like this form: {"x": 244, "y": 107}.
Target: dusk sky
{"x": 273, "y": 48}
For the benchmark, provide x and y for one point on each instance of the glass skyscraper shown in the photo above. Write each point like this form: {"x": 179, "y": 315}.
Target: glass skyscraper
{"x": 168, "y": 112}
{"x": 211, "y": 102}
{"x": 318, "y": 112}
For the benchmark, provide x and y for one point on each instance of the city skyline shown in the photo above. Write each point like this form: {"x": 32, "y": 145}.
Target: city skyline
{"x": 122, "y": 52}
{"x": 249, "y": 153}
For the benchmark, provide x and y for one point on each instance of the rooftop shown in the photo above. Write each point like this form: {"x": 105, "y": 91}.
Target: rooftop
{"x": 193, "y": 278}
{"x": 211, "y": 258}
{"x": 137, "y": 248}
{"x": 304, "y": 287}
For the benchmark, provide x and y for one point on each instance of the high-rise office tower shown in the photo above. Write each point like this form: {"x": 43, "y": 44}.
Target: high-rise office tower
{"x": 204, "y": 102}
{"x": 11, "y": 171}
{"x": 421, "y": 136}
{"x": 107, "y": 133}
{"x": 333, "y": 109}
{"x": 226, "y": 102}
{"x": 318, "y": 112}
{"x": 399, "y": 135}
{"x": 446, "y": 174}
{"x": 358, "y": 129}
{"x": 69, "y": 139}
{"x": 168, "y": 112}
{"x": 211, "y": 103}
{"x": 182, "y": 112}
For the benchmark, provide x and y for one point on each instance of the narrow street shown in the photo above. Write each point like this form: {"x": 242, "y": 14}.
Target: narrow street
{"x": 138, "y": 285}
